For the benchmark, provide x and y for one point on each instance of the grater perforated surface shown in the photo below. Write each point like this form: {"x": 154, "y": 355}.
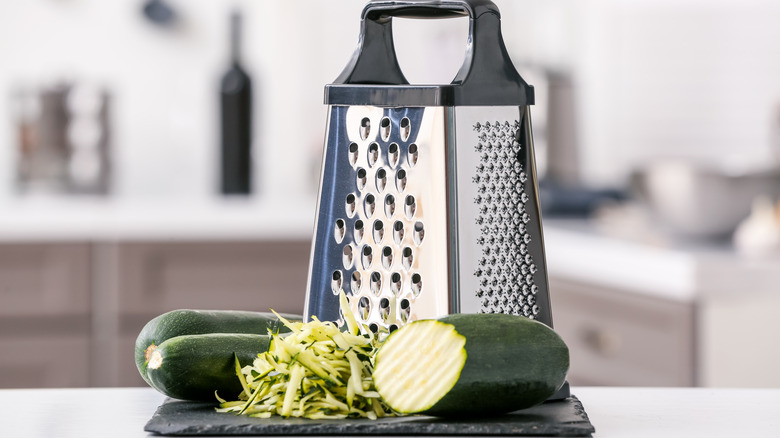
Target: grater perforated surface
{"x": 506, "y": 269}
{"x": 426, "y": 211}
{"x": 376, "y": 208}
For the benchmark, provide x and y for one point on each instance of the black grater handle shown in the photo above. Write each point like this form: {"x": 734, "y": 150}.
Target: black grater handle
{"x": 487, "y": 76}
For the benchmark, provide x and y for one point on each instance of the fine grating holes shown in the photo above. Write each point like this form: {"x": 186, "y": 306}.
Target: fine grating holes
{"x": 370, "y": 205}
{"x": 381, "y": 179}
{"x": 387, "y": 257}
{"x": 419, "y": 233}
{"x": 398, "y": 232}
{"x": 392, "y": 154}
{"x": 353, "y": 154}
{"x": 413, "y": 154}
{"x": 379, "y": 231}
{"x": 400, "y": 180}
{"x": 340, "y": 230}
{"x": 373, "y": 154}
{"x": 350, "y": 205}
{"x": 361, "y": 179}
{"x": 406, "y": 128}
{"x": 358, "y": 233}
{"x": 336, "y": 280}
{"x": 384, "y": 128}
{"x": 367, "y": 256}
{"x": 347, "y": 256}
{"x": 389, "y": 206}
{"x": 365, "y": 128}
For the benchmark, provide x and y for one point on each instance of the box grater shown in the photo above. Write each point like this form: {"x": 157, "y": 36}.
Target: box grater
{"x": 428, "y": 201}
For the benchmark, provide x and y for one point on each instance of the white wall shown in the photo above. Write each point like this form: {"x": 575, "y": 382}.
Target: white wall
{"x": 695, "y": 78}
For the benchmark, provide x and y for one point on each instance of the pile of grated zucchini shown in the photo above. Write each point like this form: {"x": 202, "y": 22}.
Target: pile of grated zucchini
{"x": 316, "y": 372}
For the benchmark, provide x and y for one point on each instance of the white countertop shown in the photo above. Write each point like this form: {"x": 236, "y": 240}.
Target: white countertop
{"x": 615, "y": 412}
{"x": 578, "y": 250}
{"x": 93, "y": 219}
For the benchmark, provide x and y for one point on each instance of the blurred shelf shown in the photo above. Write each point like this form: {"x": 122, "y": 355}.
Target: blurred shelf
{"x": 681, "y": 271}
{"x": 57, "y": 219}
{"x": 642, "y": 311}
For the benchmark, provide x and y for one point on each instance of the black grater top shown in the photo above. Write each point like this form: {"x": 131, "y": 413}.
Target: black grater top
{"x": 486, "y": 78}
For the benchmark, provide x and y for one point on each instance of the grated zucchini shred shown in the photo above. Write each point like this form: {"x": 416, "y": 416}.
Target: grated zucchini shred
{"x": 316, "y": 371}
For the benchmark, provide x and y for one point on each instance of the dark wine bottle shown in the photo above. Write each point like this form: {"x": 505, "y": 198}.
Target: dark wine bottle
{"x": 236, "y": 113}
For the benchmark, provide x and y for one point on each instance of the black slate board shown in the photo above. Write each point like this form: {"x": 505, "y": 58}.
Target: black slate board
{"x": 555, "y": 418}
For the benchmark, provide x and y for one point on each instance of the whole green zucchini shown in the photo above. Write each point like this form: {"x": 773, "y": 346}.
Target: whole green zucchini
{"x": 470, "y": 364}
{"x": 193, "y": 367}
{"x": 196, "y": 322}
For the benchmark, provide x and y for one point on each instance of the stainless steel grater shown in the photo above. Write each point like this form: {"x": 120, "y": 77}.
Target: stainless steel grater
{"x": 428, "y": 201}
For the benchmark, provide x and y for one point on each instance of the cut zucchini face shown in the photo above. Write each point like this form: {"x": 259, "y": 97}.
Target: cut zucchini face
{"x": 418, "y": 365}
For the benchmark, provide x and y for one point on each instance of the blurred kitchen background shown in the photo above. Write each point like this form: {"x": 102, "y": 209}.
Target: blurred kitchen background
{"x": 657, "y": 127}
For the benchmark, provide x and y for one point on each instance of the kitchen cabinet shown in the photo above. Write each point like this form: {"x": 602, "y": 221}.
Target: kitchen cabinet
{"x": 44, "y": 315}
{"x": 70, "y": 312}
{"x": 155, "y": 277}
{"x": 639, "y": 313}
{"x": 621, "y": 339}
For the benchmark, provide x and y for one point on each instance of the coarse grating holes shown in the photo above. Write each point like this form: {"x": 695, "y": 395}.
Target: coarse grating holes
{"x": 392, "y": 154}
{"x": 373, "y": 154}
{"x": 379, "y": 231}
{"x": 419, "y": 233}
{"x": 395, "y": 283}
{"x": 387, "y": 257}
{"x": 384, "y": 128}
{"x": 381, "y": 269}
{"x": 406, "y": 310}
{"x": 353, "y": 154}
{"x": 358, "y": 233}
{"x": 370, "y": 205}
{"x": 350, "y": 205}
{"x": 364, "y": 308}
{"x": 336, "y": 280}
{"x": 400, "y": 180}
{"x": 416, "y": 284}
{"x": 367, "y": 256}
{"x": 347, "y": 256}
{"x": 406, "y": 128}
{"x": 339, "y": 230}
{"x": 361, "y": 179}
{"x": 373, "y": 327}
{"x": 407, "y": 258}
{"x": 389, "y": 206}
{"x": 355, "y": 282}
{"x": 381, "y": 179}
{"x": 375, "y": 283}
{"x": 365, "y": 128}
{"x": 384, "y": 309}
{"x": 413, "y": 155}
{"x": 410, "y": 206}
{"x": 398, "y": 232}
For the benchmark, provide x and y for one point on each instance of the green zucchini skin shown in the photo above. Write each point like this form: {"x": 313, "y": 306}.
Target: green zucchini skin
{"x": 512, "y": 363}
{"x": 196, "y": 322}
{"x": 194, "y": 366}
